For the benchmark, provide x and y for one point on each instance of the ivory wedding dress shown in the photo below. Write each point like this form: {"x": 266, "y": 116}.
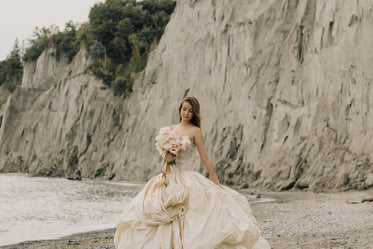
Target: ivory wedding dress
{"x": 191, "y": 212}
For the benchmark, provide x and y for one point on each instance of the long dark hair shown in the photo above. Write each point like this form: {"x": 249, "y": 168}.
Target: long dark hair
{"x": 196, "y": 119}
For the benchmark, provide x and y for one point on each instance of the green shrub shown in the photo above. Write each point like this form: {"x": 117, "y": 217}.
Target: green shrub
{"x": 103, "y": 70}
{"x": 119, "y": 85}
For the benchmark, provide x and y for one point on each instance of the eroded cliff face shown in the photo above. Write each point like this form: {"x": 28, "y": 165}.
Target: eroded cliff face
{"x": 284, "y": 88}
{"x": 49, "y": 122}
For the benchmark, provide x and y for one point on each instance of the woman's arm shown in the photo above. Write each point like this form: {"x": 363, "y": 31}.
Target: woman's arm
{"x": 198, "y": 140}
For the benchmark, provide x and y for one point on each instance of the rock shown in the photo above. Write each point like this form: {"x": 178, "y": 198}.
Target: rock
{"x": 352, "y": 202}
{"x": 367, "y": 199}
{"x": 245, "y": 185}
{"x": 284, "y": 88}
{"x": 369, "y": 180}
{"x": 301, "y": 185}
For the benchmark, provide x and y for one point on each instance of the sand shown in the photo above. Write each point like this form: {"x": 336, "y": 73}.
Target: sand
{"x": 296, "y": 220}
{"x": 315, "y": 221}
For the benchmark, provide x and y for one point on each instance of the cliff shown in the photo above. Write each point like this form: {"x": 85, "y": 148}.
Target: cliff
{"x": 284, "y": 88}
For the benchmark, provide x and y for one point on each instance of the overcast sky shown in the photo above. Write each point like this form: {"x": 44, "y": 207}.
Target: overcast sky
{"x": 18, "y": 18}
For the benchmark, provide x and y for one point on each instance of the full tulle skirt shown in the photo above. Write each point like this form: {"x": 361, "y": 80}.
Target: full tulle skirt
{"x": 191, "y": 212}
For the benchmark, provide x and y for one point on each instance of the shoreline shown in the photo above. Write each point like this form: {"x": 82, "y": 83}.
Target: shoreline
{"x": 82, "y": 238}
{"x": 292, "y": 220}
{"x": 91, "y": 239}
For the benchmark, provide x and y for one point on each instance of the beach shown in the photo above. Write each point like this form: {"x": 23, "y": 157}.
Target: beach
{"x": 315, "y": 221}
{"x": 295, "y": 220}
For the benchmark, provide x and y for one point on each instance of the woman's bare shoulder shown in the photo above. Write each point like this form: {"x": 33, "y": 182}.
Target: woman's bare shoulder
{"x": 196, "y": 131}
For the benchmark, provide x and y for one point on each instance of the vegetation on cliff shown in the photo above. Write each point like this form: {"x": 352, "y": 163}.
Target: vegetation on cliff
{"x": 118, "y": 36}
{"x": 11, "y": 69}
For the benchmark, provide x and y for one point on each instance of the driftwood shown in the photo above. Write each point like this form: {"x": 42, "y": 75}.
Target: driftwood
{"x": 367, "y": 199}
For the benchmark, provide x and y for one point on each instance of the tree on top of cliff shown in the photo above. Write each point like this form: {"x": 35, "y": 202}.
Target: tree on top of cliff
{"x": 41, "y": 40}
{"x": 11, "y": 69}
{"x": 128, "y": 30}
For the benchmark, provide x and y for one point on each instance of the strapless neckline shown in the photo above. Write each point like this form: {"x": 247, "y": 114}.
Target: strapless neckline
{"x": 191, "y": 141}
{"x": 173, "y": 129}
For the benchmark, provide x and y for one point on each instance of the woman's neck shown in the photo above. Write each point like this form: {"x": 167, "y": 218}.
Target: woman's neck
{"x": 185, "y": 123}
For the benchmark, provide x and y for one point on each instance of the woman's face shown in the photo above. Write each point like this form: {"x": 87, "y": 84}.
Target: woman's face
{"x": 186, "y": 112}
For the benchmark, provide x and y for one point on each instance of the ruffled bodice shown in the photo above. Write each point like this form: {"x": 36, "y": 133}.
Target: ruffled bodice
{"x": 187, "y": 159}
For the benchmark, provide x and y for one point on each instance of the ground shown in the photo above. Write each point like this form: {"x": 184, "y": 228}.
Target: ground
{"x": 295, "y": 220}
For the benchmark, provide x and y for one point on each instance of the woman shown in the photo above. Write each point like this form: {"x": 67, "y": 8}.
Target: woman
{"x": 181, "y": 209}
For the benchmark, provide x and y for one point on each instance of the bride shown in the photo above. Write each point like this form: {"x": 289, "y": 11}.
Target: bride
{"x": 181, "y": 209}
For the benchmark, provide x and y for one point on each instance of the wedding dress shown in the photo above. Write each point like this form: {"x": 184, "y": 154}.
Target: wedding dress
{"x": 190, "y": 212}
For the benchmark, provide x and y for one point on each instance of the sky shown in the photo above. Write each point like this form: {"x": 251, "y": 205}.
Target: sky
{"x": 18, "y": 18}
